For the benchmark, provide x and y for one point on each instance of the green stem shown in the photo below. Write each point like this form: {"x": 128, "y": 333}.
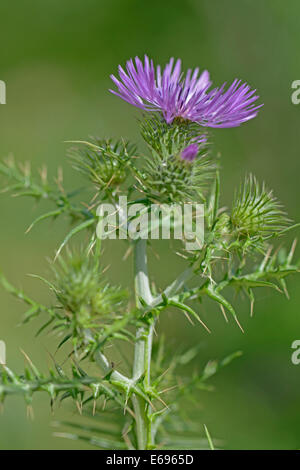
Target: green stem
{"x": 115, "y": 376}
{"x": 143, "y": 345}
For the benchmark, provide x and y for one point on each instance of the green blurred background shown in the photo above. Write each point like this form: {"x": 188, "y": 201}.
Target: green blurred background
{"x": 56, "y": 58}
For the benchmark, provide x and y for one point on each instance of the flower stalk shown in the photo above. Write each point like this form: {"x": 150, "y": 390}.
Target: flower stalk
{"x": 143, "y": 345}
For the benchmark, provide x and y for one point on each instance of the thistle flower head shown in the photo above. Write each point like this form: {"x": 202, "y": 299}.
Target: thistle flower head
{"x": 255, "y": 211}
{"x": 188, "y": 97}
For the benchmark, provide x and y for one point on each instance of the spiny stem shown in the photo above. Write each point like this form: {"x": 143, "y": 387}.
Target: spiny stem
{"x": 143, "y": 345}
{"x": 116, "y": 376}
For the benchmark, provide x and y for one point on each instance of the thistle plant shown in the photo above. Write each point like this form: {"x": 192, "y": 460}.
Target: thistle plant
{"x": 141, "y": 407}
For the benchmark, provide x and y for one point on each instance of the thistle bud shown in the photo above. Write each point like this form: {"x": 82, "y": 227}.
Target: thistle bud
{"x": 104, "y": 162}
{"x": 190, "y": 152}
{"x": 82, "y": 292}
{"x": 255, "y": 211}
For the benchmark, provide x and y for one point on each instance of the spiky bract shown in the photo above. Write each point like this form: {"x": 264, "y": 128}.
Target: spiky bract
{"x": 105, "y": 162}
{"x": 255, "y": 211}
{"x": 167, "y": 177}
{"x": 82, "y": 292}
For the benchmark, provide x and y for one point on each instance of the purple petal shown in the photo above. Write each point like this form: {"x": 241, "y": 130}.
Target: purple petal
{"x": 190, "y": 97}
{"x": 190, "y": 152}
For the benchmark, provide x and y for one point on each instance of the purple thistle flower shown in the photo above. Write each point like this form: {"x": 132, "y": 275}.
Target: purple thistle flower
{"x": 187, "y": 97}
{"x": 190, "y": 152}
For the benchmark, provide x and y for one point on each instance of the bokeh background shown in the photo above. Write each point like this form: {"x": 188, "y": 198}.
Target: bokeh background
{"x": 56, "y": 58}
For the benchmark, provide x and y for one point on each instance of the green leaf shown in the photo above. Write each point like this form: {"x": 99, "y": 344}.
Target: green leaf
{"x": 228, "y": 359}
{"x": 43, "y": 327}
{"x": 212, "y": 367}
{"x": 74, "y": 231}
{"x": 210, "y": 442}
{"x": 54, "y": 214}
{"x": 214, "y": 295}
{"x": 65, "y": 339}
{"x": 245, "y": 281}
{"x": 210, "y": 370}
{"x": 186, "y": 308}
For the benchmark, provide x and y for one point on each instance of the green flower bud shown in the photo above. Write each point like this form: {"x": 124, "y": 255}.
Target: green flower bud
{"x": 104, "y": 162}
{"x": 81, "y": 291}
{"x": 255, "y": 211}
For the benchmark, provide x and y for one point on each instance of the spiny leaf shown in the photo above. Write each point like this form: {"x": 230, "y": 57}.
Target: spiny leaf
{"x": 74, "y": 231}
{"x": 186, "y": 308}
{"x": 247, "y": 281}
{"x": 53, "y": 214}
{"x": 44, "y": 326}
{"x": 64, "y": 340}
{"x": 213, "y": 294}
